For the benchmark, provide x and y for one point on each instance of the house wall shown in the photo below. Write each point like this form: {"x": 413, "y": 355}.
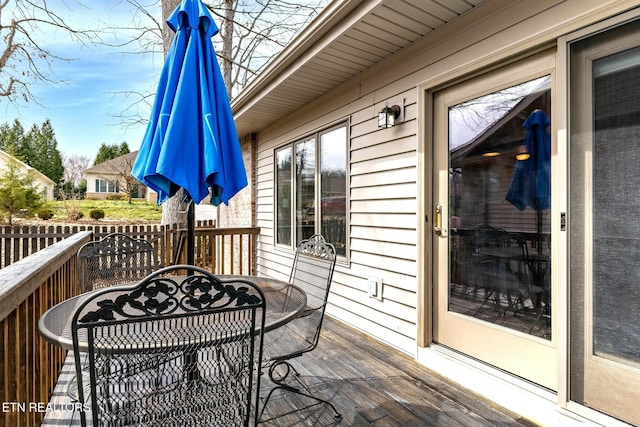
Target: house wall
{"x": 386, "y": 207}
{"x": 241, "y": 212}
{"x": 41, "y": 181}
{"x": 45, "y": 184}
{"x": 92, "y": 194}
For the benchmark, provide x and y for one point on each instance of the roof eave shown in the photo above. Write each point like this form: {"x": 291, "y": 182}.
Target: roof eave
{"x": 329, "y": 25}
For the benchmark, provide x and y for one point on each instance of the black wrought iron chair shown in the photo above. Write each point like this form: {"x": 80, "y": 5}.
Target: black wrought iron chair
{"x": 115, "y": 259}
{"x": 312, "y": 270}
{"x": 179, "y": 348}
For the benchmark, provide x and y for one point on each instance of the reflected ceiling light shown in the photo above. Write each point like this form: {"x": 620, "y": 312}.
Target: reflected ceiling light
{"x": 523, "y": 154}
{"x": 491, "y": 154}
{"x": 388, "y": 115}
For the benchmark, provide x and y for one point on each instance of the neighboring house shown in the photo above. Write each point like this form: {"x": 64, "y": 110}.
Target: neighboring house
{"x": 404, "y": 204}
{"x": 43, "y": 182}
{"x": 114, "y": 177}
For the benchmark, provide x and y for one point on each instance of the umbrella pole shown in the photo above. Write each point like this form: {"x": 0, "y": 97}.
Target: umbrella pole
{"x": 191, "y": 233}
{"x": 539, "y": 227}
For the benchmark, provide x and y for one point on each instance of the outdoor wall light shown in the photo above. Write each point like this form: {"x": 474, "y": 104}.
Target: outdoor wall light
{"x": 388, "y": 115}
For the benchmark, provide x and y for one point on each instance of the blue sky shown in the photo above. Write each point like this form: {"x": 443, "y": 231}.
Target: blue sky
{"x": 83, "y": 109}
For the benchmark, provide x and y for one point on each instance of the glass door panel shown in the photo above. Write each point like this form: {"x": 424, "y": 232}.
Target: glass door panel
{"x": 605, "y": 235}
{"x": 499, "y": 200}
{"x": 492, "y": 186}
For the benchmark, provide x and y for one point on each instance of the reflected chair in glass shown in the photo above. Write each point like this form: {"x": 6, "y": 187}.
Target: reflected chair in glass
{"x": 312, "y": 270}
{"x": 115, "y": 259}
{"x": 542, "y": 275}
{"x": 503, "y": 269}
{"x": 479, "y": 239}
{"x": 181, "y": 347}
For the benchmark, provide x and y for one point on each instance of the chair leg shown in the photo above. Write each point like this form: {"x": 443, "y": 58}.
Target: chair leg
{"x": 281, "y": 385}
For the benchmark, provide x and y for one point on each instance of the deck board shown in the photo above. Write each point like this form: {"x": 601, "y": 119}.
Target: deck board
{"x": 370, "y": 384}
{"x": 63, "y": 413}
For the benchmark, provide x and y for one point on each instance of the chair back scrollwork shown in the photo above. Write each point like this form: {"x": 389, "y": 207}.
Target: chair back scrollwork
{"x": 115, "y": 259}
{"x": 313, "y": 266}
{"x": 181, "y": 347}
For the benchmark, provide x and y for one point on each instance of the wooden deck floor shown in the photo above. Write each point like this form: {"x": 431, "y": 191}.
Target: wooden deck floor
{"x": 374, "y": 385}
{"x": 371, "y": 385}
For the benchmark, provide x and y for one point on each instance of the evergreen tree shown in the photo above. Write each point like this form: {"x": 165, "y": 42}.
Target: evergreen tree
{"x": 38, "y": 148}
{"x": 42, "y": 152}
{"x": 26, "y": 150}
{"x": 12, "y": 138}
{"x": 124, "y": 148}
{"x": 5, "y": 130}
{"x": 110, "y": 151}
{"x": 18, "y": 193}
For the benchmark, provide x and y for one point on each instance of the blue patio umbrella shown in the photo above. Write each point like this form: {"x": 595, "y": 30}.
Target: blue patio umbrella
{"x": 530, "y": 185}
{"x": 191, "y": 140}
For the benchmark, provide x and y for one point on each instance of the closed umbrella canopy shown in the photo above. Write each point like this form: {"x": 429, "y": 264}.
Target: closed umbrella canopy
{"x": 191, "y": 140}
{"x": 530, "y": 185}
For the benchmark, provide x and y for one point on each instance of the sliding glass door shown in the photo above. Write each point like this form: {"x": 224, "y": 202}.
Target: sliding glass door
{"x": 605, "y": 231}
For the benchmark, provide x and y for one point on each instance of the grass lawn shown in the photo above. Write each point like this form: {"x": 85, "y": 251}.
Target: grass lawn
{"x": 114, "y": 210}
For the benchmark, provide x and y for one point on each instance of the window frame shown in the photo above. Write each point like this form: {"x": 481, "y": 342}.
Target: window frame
{"x": 315, "y": 136}
{"x": 108, "y": 185}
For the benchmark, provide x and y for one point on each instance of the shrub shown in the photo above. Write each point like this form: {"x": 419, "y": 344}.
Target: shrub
{"x": 96, "y": 213}
{"x": 72, "y": 209}
{"x": 116, "y": 197}
{"x": 74, "y": 214}
{"x": 45, "y": 213}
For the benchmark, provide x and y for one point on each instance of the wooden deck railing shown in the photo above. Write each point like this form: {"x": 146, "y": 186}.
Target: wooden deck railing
{"x": 219, "y": 250}
{"x": 29, "y": 366}
{"x": 20, "y": 241}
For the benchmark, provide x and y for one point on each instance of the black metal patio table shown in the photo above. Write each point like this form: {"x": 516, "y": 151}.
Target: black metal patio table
{"x": 284, "y": 302}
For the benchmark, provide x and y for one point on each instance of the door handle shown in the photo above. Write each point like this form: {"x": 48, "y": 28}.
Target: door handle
{"x": 437, "y": 226}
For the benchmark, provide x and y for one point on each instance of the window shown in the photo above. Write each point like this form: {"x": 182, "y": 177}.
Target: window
{"x": 106, "y": 186}
{"x": 311, "y": 183}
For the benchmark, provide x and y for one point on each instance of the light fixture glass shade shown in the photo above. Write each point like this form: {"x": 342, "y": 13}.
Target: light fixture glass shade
{"x": 387, "y": 116}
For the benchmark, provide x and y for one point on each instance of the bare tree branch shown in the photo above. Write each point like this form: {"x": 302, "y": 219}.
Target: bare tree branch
{"x": 74, "y": 167}
{"x": 251, "y": 34}
{"x": 26, "y": 59}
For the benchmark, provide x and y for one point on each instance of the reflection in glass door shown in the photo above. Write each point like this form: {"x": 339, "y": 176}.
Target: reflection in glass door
{"x": 499, "y": 200}
{"x": 492, "y": 184}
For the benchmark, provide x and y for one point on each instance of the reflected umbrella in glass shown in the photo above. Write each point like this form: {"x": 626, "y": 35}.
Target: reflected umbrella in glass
{"x": 531, "y": 184}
